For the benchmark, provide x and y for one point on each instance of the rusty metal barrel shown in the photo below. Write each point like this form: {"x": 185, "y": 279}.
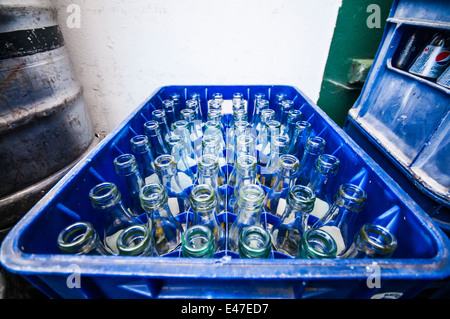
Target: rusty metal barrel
{"x": 45, "y": 125}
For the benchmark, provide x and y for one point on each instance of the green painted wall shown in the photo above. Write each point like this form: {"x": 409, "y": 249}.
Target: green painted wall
{"x": 352, "y": 39}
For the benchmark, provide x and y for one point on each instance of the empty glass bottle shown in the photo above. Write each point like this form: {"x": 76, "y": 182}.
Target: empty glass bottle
{"x": 141, "y": 149}
{"x": 158, "y": 147}
{"x": 300, "y": 136}
{"x": 275, "y": 201}
{"x": 258, "y": 106}
{"x": 288, "y": 232}
{"x": 325, "y": 169}
{"x": 246, "y": 171}
{"x": 208, "y": 173}
{"x": 195, "y": 135}
{"x": 80, "y": 239}
{"x": 372, "y": 241}
{"x": 197, "y": 97}
{"x": 106, "y": 199}
{"x": 261, "y": 128}
{"x": 194, "y": 104}
{"x": 198, "y": 242}
{"x": 293, "y": 117}
{"x": 272, "y": 129}
{"x": 160, "y": 117}
{"x": 204, "y": 205}
{"x": 286, "y": 107}
{"x": 211, "y": 146}
{"x": 178, "y": 184}
{"x": 278, "y": 147}
{"x": 181, "y": 128}
{"x": 239, "y": 128}
{"x": 277, "y": 104}
{"x": 245, "y": 145}
{"x": 314, "y": 147}
{"x": 254, "y": 242}
{"x": 166, "y": 230}
{"x": 169, "y": 108}
{"x": 131, "y": 182}
{"x": 176, "y": 98}
{"x": 183, "y": 162}
{"x": 338, "y": 221}
{"x": 317, "y": 244}
{"x": 249, "y": 208}
{"x": 212, "y": 127}
{"x": 136, "y": 240}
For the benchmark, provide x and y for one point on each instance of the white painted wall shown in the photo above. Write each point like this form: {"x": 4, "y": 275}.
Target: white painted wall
{"x": 125, "y": 49}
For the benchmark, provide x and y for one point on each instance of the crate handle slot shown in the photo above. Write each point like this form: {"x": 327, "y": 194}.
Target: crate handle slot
{"x": 389, "y": 219}
{"x": 67, "y": 211}
{"x": 360, "y": 179}
{"x": 96, "y": 175}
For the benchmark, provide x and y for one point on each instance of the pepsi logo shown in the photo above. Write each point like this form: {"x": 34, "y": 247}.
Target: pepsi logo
{"x": 443, "y": 58}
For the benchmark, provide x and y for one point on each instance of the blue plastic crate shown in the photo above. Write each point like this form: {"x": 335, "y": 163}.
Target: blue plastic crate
{"x": 402, "y": 120}
{"x": 422, "y": 256}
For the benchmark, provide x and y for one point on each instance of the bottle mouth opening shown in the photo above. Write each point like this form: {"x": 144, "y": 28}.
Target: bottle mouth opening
{"x": 208, "y": 163}
{"x": 319, "y": 244}
{"x": 254, "y": 241}
{"x": 164, "y": 161}
{"x": 327, "y": 164}
{"x": 378, "y": 238}
{"x": 301, "y": 197}
{"x": 134, "y": 240}
{"x": 202, "y": 194}
{"x": 104, "y": 195}
{"x": 75, "y": 236}
{"x": 152, "y": 196}
{"x": 315, "y": 144}
{"x": 140, "y": 143}
{"x": 351, "y": 196}
{"x": 151, "y": 127}
{"x": 197, "y": 239}
{"x": 251, "y": 195}
{"x": 168, "y": 104}
{"x": 125, "y": 164}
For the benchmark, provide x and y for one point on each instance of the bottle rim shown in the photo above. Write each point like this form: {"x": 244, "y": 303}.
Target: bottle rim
{"x": 246, "y": 163}
{"x": 77, "y": 238}
{"x": 327, "y": 164}
{"x": 318, "y": 243}
{"x": 301, "y": 198}
{"x": 303, "y": 125}
{"x": 134, "y": 240}
{"x": 386, "y": 242}
{"x": 208, "y": 164}
{"x": 351, "y": 196}
{"x": 151, "y": 127}
{"x": 202, "y": 197}
{"x": 315, "y": 144}
{"x": 288, "y": 164}
{"x": 153, "y": 196}
{"x": 140, "y": 143}
{"x": 164, "y": 161}
{"x": 205, "y": 250}
{"x": 104, "y": 195}
{"x": 125, "y": 164}
{"x": 251, "y": 195}
{"x": 245, "y": 249}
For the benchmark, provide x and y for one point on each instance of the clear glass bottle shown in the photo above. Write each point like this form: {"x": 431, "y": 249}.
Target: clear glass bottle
{"x": 212, "y": 143}
{"x": 261, "y": 128}
{"x": 184, "y": 163}
{"x": 272, "y": 129}
{"x": 194, "y": 105}
{"x": 208, "y": 173}
{"x": 338, "y": 221}
{"x": 141, "y": 149}
{"x": 176, "y": 98}
{"x": 302, "y": 132}
{"x": 293, "y": 117}
{"x": 249, "y": 208}
{"x": 286, "y": 107}
{"x": 160, "y": 117}
{"x": 245, "y": 145}
{"x": 106, "y": 199}
{"x": 257, "y": 108}
{"x": 317, "y": 244}
{"x": 315, "y": 146}
{"x": 197, "y": 242}
{"x": 325, "y": 169}
{"x": 136, "y": 240}
{"x": 246, "y": 171}
{"x": 212, "y": 127}
{"x": 166, "y": 230}
{"x": 177, "y": 183}
{"x": 158, "y": 147}
{"x": 278, "y": 147}
{"x": 293, "y": 223}
{"x": 80, "y": 239}
{"x": 181, "y": 128}
{"x": 254, "y": 242}
{"x": 372, "y": 241}
{"x": 285, "y": 174}
{"x": 195, "y": 131}
{"x": 239, "y": 128}
{"x": 198, "y": 113}
{"x": 169, "y": 109}
{"x": 131, "y": 182}
{"x": 277, "y": 105}
{"x": 205, "y": 209}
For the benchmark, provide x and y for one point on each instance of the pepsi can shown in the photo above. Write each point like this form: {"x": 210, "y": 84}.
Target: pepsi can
{"x": 444, "y": 79}
{"x": 434, "y": 58}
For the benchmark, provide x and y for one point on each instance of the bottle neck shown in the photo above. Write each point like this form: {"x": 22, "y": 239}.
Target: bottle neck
{"x": 375, "y": 241}
{"x": 317, "y": 243}
{"x": 80, "y": 239}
